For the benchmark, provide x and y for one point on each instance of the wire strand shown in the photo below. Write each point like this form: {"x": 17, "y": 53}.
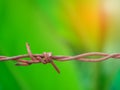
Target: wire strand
{"x": 48, "y": 58}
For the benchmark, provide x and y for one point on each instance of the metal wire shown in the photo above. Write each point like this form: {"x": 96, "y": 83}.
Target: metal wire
{"x": 48, "y": 58}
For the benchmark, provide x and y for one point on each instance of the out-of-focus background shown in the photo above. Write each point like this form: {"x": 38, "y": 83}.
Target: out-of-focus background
{"x": 63, "y": 27}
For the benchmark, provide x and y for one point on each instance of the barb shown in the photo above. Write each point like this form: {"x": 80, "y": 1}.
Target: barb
{"x": 48, "y": 58}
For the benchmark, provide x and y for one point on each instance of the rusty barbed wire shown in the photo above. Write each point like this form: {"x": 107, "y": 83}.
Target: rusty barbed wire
{"x": 48, "y": 58}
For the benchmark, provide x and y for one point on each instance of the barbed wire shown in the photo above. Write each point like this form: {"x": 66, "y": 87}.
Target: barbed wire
{"x": 48, "y": 58}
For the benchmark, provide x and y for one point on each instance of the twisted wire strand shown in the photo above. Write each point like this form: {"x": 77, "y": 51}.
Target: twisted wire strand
{"x": 48, "y": 58}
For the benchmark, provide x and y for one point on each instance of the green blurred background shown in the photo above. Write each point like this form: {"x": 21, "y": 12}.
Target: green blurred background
{"x": 63, "y": 27}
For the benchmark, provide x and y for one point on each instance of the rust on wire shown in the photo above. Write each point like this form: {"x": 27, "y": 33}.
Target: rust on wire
{"x": 48, "y": 58}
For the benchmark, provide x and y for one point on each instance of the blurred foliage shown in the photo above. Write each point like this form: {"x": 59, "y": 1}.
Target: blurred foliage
{"x": 63, "y": 27}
